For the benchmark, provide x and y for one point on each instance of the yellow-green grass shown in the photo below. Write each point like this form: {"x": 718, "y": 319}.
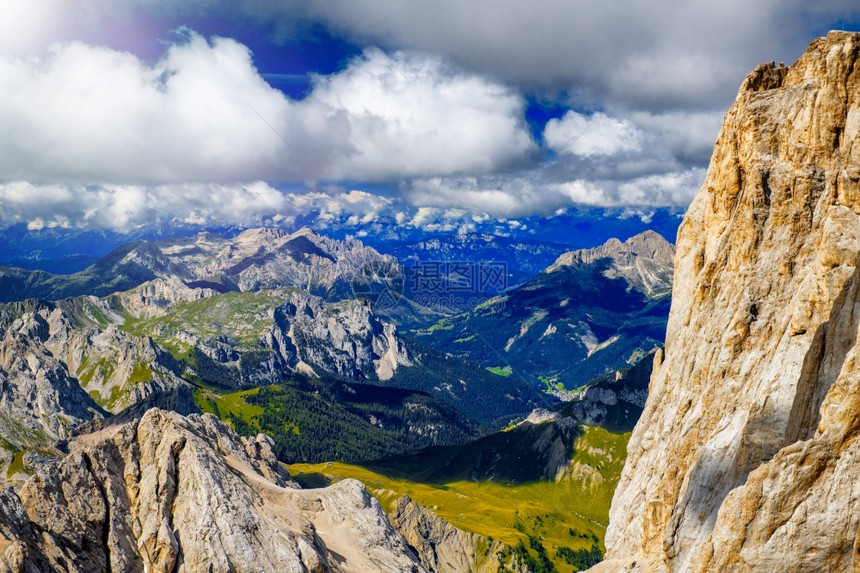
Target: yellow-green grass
{"x": 17, "y": 464}
{"x": 572, "y": 512}
{"x": 500, "y": 370}
{"x": 225, "y": 404}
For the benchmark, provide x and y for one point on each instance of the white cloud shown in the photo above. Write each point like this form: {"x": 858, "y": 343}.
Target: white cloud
{"x": 351, "y": 208}
{"x": 588, "y": 136}
{"x": 440, "y": 220}
{"x": 92, "y": 135}
{"x": 539, "y": 192}
{"x": 411, "y": 114}
{"x": 124, "y": 207}
{"x": 91, "y": 114}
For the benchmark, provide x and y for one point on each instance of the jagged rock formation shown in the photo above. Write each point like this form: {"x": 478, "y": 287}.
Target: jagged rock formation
{"x": 746, "y": 457}
{"x": 169, "y": 493}
{"x": 256, "y": 259}
{"x": 347, "y": 339}
{"x": 443, "y": 548}
{"x": 81, "y": 338}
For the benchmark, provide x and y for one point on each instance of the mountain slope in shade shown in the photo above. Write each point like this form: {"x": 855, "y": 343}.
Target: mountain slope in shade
{"x": 747, "y": 454}
{"x": 169, "y": 493}
{"x": 541, "y": 488}
{"x": 590, "y": 313}
{"x": 256, "y": 259}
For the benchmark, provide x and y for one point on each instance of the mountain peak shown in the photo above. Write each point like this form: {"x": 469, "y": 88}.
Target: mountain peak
{"x": 305, "y": 232}
{"x": 644, "y": 260}
{"x": 261, "y": 234}
{"x": 652, "y": 245}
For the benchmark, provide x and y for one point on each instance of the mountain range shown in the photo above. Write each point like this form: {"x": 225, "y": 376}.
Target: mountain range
{"x": 286, "y": 336}
{"x": 744, "y": 457}
{"x": 255, "y": 259}
{"x": 592, "y": 312}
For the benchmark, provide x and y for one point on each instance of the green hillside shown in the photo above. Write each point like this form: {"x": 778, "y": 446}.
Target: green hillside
{"x": 564, "y": 517}
{"x": 314, "y": 420}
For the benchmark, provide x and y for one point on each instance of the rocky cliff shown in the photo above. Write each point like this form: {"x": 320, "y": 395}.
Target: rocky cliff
{"x": 746, "y": 458}
{"x": 40, "y": 402}
{"x": 169, "y": 493}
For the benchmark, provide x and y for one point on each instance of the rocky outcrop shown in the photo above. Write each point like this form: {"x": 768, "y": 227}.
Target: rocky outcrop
{"x": 442, "y": 547}
{"x": 170, "y": 493}
{"x": 346, "y": 339}
{"x": 154, "y": 298}
{"x": 747, "y": 453}
{"x": 40, "y": 402}
{"x": 81, "y": 338}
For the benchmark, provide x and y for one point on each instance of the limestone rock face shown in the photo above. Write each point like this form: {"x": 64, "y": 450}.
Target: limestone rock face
{"x": 746, "y": 457}
{"x": 346, "y": 338}
{"x": 170, "y": 493}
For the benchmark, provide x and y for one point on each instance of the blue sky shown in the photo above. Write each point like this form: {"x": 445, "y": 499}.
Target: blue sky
{"x": 422, "y": 115}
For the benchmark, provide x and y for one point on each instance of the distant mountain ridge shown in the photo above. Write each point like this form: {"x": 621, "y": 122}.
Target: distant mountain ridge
{"x": 644, "y": 261}
{"x": 255, "y": 259}
{"x": 590, "y": 313}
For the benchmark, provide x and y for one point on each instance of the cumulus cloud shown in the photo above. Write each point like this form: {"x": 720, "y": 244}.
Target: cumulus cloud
{"x": 123, "y": 207}
{"x": 84, "y": 113}
{"x": 100, "y": 130}
{"x": 352, "y": 208}
{"x": 587, "y": 136}
{"x": 411, "y": 114}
